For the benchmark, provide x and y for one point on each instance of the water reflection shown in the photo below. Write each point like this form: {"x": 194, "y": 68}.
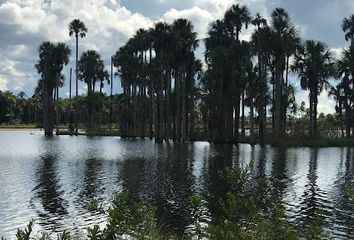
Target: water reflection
{"x": 312, "y": 194}
{"x": 53, "y": 208}
{"x": 54, "y": 179}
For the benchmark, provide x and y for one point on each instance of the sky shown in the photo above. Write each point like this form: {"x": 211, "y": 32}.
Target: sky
{"x": 24, "y": 24}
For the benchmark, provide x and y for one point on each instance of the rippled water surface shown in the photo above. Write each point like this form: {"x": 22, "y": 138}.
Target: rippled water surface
{"x": 53, "y": 180}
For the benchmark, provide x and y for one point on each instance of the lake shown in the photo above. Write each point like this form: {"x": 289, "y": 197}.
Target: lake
{"x": 52, "y": 180}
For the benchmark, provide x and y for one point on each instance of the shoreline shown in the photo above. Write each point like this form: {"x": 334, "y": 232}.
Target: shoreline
{"x": 20, "y": 129}
{"x": 287, "y": 142}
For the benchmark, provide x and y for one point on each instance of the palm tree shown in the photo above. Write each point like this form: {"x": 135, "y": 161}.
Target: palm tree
{"x": 78, "y": 28}
{"x": 235, "y": 18}
{"x": 217, "y": 84}
{"x": 348, "y": 28}
{"x": 338, "y": 95}
{"x": 102, "y": 76}
{"x": 52, "y": 58}
{"x": 345, "y": 68}
{"x": 283, "y": 38}
{"x": 314, "y": 64}
{"x": 186, "y": 42}
{"x": 91, "y": 69}
{"x": 259, "y": 40}
{"x": 161, "y": 36}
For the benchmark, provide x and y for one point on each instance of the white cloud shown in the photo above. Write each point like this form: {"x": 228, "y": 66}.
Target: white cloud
{"x": 199, "y": 17}
{"x": 3, "y": 83}
{"x": 9, "y": 68}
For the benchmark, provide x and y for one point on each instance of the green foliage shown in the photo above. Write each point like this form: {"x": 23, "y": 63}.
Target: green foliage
{"x": 314, "y": 231}
{"x": 26, "y": 233}
{"x": 64, "y": 236}
{"x": 94, "y": 233}
{"x": 95, "y": 206}
{"x": 349, "y": 194}
{"x": 249, "y": 211}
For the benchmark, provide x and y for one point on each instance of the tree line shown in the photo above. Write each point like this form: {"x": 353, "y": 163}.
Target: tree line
{"x": 169, "y": 94}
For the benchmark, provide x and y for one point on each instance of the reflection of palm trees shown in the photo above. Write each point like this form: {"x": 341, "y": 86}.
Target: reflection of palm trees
{"x": 169, "y": 189}
{"x": 220, "y": 158}
{"x": 343, "y": 210}
{"x": 261, "y": 172}
{"x": 49, "y": 192}
{"x": 279, "y": 177}
{"x": 93, "y": 167}
{"x": 310, "y": 205}
{"x": 349, "y": 172}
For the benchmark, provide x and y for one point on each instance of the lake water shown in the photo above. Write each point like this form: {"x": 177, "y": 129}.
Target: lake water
{"x": 53, "y": 180}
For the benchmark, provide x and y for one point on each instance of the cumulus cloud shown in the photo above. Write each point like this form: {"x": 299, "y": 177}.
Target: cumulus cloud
{"x": 199, "y": 17}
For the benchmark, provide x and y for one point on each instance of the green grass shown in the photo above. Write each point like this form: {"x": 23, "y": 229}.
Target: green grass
{"x": 18, "y": 126}
{"x": 312, "y": 142}
{"x": 305, "y": 141}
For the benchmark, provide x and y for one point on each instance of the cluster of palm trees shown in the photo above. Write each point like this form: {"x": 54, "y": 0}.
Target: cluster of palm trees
{"x": 255, "y": 73}
{"x": 167, "y": 94}
{"x": 234, "y": 79}
{"x": 158, "y": 70}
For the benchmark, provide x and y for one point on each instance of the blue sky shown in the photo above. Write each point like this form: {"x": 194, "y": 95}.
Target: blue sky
{"x": 24, "y": 24}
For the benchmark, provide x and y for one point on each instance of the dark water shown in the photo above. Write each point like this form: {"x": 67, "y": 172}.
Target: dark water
{"x": 53, "y": 180}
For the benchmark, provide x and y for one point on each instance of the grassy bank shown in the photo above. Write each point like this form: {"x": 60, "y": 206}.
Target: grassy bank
{"x": 305, "y": 141}
{"x": 18, "y": 126}
{"x": 318, "y": 142}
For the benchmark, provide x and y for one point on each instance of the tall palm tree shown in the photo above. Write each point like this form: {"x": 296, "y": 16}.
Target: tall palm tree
{"x": 161, "y": 44}
{"x": 314, "y": 64}
{"x": 345, "y": 68}
{"x": 52, "y": 58}
{"x": 77, "y": 28}
{"x": 235, "y": 18}
{"x": 348, "y": 28}
{"x": 284, "y": 34}
{"x": 186, "y": 42}
{"x": 259, "y": 40}
{"x": 217, "y": 83}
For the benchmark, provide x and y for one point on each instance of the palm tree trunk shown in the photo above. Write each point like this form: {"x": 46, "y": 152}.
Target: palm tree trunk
{"x": 236, "y": 119}
{"x": 341, "y": 120}
{"x": 48, "y": 112}
{"x": 178, "y": 101}
{"x": 243, "y": 115}
{"x": 168, "y": 94}
{"x": 161, "y": 113}
{"x": 278, "y": 100}
{"x": 251, "y": 123}
{"x": 347, "y": 119}
{"x": 77, "y": 82}
{"x": 57, "y": 112}
{"x": 315, "y": 115}
{"x": 311, "y": 113}
{"x": 183, "y": 111}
